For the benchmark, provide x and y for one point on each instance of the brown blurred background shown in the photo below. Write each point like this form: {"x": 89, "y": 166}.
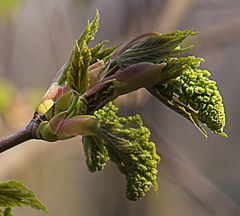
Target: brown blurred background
{"x": 197, "y": 176}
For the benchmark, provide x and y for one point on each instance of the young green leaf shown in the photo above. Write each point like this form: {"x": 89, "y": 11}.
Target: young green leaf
{"x": 90, "y": 31}
{"x": 13, "y": 193}
{"x": 155, "y": 48}
{"x": 77, "y": 68}
{"x": 80, "y": 50}
{"x": 102, "y": 54}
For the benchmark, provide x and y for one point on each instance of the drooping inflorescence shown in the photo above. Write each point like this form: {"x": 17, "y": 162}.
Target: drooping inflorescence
{"x": 194, "y": 88}
{"x": 127, "y": 141}
{"x": 196, "y": 91}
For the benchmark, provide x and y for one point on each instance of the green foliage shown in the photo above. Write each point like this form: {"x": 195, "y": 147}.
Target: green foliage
{"x": 127, "y": 141}
{"x": 13, "y": 194}
{"x": 155, "y": 48}
{"x": 76, "y": 71}
{"x": 98, "y": 53}
{"x": 77, "y": 68}
{"x": 90, "y": 31}
{"x": 183, "y": 87}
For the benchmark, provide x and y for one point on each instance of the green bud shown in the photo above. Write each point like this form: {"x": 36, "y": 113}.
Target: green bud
{"x": 64, "y": 102}
{"x": 45, "y": 132}
{"x": 59, "y": 127}
{"x": 78, "y": 125}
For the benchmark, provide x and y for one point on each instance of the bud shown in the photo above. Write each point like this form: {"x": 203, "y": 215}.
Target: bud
{"x": 48, "y": 100}
{"x": 59, "y": 127}
{"x": 79, "y": 125}
{"x": 44, "y": 106}
{"x": 64, "y": 102}
{"x": 128, "y": 80}
{"x": 97, "y": 74}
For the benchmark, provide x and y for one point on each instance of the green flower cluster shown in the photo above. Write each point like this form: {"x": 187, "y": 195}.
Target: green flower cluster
{"x": 96, "y": 153}
{"x": 194, "y": 88}
{"x": 127, "y": 141}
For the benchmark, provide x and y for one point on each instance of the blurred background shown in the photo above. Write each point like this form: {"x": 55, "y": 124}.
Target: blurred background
{"x": 197, "y": 176}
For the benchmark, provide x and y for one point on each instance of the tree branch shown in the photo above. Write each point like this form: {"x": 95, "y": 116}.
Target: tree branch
{"x": 16, "y": 138}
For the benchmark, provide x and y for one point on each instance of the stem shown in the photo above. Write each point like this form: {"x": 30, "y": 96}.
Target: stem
{"x": 16, "y": 138}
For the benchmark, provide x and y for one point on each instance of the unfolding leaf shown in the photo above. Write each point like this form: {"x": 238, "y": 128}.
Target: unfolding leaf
{"x": 90, "y": 31}
{"x": 103, "y": 54}
{"x": 155, "y": 48}
{"x": 77, "y": 69}
{"x": 13, "y": 193}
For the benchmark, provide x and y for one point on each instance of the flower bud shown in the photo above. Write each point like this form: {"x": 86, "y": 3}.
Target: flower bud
{"x": 136, "y": 76}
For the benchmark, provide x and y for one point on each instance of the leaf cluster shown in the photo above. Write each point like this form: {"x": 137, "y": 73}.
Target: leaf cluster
{"x": 76, "y": 71}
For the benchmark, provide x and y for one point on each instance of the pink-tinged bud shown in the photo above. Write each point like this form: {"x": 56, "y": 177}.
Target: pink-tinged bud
{"x": 80, "y": 125}
{"x": 137, "y": 76}
{"x": 96, "y": 65}
{"x": 134, "y": 42}
{"x": 55, "y": 91}
{"x": 57, "y": 121}
{"x": 97, "y": 88}
{"x": 97, "y": 74}
{"x": 44, "y": 106}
